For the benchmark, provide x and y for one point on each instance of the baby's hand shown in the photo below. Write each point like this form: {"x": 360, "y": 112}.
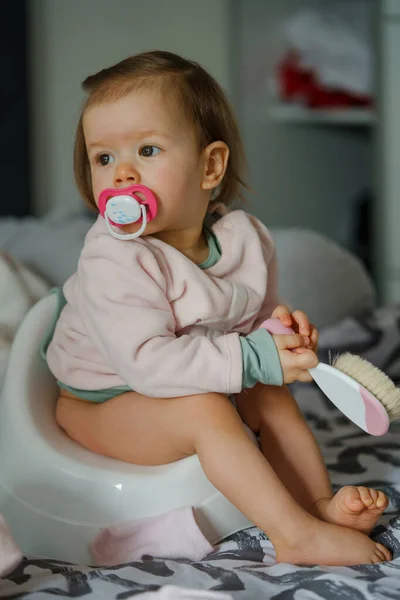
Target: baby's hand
{"x": 299, "y": 322}
{"x": 294, "y": 364}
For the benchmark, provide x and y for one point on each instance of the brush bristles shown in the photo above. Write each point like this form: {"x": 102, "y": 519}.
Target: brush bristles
{"x": 372, "y": 378}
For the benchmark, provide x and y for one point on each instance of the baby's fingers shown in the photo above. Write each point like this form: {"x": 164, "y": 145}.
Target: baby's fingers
{"x": 306, "y": 360}
{"x": 314, "y": 338}
{"x": 304, "y": 376}
{"x": 302, "y": 321}
{"x": 282, "y": 313}
{"x": 289, "y": 342}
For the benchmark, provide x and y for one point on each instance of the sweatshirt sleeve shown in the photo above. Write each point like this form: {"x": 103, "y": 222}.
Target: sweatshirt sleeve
{"x": 123, "y": 304}
{"x": 260, "y": 359}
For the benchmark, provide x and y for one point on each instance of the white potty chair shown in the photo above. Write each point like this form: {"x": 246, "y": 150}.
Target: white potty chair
{"x": 54, "y": 494}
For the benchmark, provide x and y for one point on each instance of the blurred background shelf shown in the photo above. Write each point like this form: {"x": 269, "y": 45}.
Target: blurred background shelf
{"x": 293, "y": 113}
{"x": 333, "y": 171}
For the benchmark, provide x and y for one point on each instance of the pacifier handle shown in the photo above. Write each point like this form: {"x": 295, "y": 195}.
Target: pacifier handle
{"x": 127, "y": 236}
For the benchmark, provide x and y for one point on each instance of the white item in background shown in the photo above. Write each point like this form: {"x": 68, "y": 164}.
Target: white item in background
{"x": 335, "y": 42}
{"x": 311, "y": 261}
{"x": 56, "y": 495}
{"x": 51, "y": 246}
{"x": 20, "y": 288}
{"x": 355, "y": 401}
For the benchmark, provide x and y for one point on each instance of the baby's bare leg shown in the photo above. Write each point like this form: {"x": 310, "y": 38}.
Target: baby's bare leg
{"x": 292, "y": 451}
{"x": 287, "y": 442}
{"x": 152, "y": 431}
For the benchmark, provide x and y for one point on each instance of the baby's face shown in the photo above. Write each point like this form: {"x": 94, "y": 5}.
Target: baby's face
{"x": 141, "y": 139}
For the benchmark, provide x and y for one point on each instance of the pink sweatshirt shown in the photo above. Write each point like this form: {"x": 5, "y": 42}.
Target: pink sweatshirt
{"x": 141, "y": 314}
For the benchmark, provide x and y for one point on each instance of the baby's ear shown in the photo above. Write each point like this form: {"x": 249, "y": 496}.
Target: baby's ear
{"x": 216, "y": 157}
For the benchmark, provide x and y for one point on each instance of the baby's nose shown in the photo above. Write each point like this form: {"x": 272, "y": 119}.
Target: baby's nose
{"x": 126, "y": 174}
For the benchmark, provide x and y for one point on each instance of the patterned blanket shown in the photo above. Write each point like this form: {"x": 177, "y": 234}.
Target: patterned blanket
{"x": 244, "y": 565}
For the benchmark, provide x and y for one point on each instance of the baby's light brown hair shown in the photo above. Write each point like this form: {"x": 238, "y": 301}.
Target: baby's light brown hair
{"x": 190, "y": 88}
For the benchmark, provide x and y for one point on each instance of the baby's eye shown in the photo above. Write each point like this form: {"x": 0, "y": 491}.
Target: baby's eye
{"x": 149, "y": 151}
{"x": 104, "y": 159}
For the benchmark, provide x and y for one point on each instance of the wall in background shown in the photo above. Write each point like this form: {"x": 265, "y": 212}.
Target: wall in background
{"x": 70, "y": 40}
{"x": 302, "y": 174}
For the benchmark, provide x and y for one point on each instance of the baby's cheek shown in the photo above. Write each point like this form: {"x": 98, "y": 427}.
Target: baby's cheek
{"x": 167, "y": 176}
{"x": 169, "y": 188}
{"x": 98, "y": 185}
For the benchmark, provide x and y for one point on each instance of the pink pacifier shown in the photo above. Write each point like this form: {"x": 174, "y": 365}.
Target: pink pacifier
{"x": 125, "y": 206}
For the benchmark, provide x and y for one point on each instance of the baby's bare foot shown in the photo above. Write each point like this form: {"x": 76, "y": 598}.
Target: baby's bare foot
{"x": 356, "y": 507}
{"x": 326, "y": 544}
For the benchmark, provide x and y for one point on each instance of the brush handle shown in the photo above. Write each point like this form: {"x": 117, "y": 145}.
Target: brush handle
{"x": 351, "y": 398}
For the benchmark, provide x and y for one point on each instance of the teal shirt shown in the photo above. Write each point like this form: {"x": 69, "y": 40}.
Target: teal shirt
{"x": 260, "y": 356}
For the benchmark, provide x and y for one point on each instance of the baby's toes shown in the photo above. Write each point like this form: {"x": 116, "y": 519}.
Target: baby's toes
{"x": 349, "y": 499}
{"x": 377, "y": 557}
{"x": 383, "y": 552}
{"x": 373, "y": 499}
{"x": 381, "y": 501}
{"x": 367, "y": 496}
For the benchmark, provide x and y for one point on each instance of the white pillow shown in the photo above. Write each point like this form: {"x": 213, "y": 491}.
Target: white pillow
{"x": 321, "y": 278}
